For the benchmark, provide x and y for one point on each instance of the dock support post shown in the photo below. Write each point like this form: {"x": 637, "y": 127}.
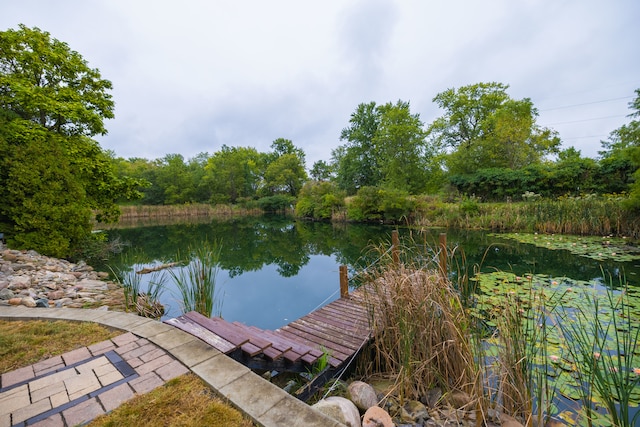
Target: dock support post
{"x": 395, "y": 247}
{"x": 344, "y": 282}
{"x": 443, "y": 255}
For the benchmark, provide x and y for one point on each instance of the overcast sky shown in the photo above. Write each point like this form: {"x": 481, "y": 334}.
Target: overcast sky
{"x": 192, "y": 75}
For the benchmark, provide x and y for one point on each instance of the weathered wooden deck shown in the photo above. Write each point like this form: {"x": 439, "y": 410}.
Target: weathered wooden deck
{"x": 339, "y": 330}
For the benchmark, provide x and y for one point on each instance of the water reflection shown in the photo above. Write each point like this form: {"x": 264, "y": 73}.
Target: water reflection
{"x": 274, "y": 270}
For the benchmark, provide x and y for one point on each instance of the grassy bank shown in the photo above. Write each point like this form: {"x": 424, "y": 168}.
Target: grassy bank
{"x": 587, "y": 215}
{"x": 600, "y": 216}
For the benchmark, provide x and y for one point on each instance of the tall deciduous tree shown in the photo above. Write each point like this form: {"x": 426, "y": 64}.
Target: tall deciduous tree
{"x": 233, "y": 173}
{"x": 385, "y": 146}
{"x": 484, "y": 128}
{"x": 400, "y": 147}
{"x": 356, "y": 161}
{"x": 52, "y": 175}
{"x": 285, "y": 172}
{"x": 623, "y": 149}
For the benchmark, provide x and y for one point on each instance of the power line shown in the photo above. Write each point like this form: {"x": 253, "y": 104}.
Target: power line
{"x": 587, "y": 103}
{"x": 585, "y": 137}
{"x": 587, "y": 120}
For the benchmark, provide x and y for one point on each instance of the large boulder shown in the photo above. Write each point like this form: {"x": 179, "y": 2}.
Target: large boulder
{"x": 340, "y": 409}
{"x": 362, "y": 394}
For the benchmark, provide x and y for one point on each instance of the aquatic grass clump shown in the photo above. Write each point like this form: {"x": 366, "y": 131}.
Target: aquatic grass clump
{"x": 196, "y": 281}
{"x": 518, "y": 381}
{"x": 144, "y": 303}
{"x": 422, "y": 332}
{"x": 602, "y": 343}
{"x": 572, "y": 345}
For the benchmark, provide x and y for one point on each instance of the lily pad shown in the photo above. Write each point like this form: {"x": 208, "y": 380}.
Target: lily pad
{"x": 598, "y": 248}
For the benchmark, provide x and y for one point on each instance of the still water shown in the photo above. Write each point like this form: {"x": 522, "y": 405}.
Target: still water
{"x": 274, "y": 269}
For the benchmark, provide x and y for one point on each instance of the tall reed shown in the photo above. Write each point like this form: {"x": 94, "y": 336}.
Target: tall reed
{"x": 521, "y": 368}
{"x": 196, "y": 281}
{"x": 602, "y": 343}
{"x": 421, "y": 329}
{"x": 144, "y": 303}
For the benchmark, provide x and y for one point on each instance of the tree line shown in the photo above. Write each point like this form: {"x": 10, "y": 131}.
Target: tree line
{"x": 486, "y": 145}
{"x": 55, "y": 179}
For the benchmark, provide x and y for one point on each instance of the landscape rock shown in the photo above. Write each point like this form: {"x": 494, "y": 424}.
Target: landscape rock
{"x": 28, "y": 302}
{"x": 377, "y": 417}
{"x": 508, "y": 421}
{"x": 42, "y": 302}
{"x": 33, "y": 280}
{"x": 458, "y": 399}
{"x": 6, "y": 294}
{"x": 339, "y": 409}
{"x": 416, "y": 411}
{"x": 362, "y": 395}
{"x": 19, "y": 282}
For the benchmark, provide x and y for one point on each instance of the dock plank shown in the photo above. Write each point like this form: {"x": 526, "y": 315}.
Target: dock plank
{"x": 205, "y": 335}
{"x": 219, "y": 327}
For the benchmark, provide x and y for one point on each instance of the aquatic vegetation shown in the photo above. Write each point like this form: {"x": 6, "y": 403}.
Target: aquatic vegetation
{"x": 597, "y": 248}
{"x": 196, "y": 281}
{"x": 586, "y": 335}
{"x": 144, "y": 303}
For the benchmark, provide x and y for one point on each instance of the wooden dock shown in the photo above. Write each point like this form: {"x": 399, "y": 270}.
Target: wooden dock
{"x": 337, "y": 330}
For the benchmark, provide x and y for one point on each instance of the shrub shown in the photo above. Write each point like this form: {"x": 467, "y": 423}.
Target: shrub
{"x": 319, "y": 200}
{"x": 277, "y": 203}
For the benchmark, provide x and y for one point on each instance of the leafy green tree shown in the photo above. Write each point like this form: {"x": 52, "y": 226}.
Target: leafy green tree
{"x": 356, "y": 162}
{"x": 619, "y": 158}
{"x": 573, "y": 174}
{"x": 321, "y": 171}
{"x": 484, "y": 128}
{"x": 400, "y": 147}
{"x": 52, "y": 175}
{"x": 43, "y": 81}
{"x": 319, "y": 200}
{"x": 234, "y": 173}
{"x": 385, "y": 146}
{"x": 623, "y": 147}
{"x": 285, "y": 172}
{"x": 173, "y": 177}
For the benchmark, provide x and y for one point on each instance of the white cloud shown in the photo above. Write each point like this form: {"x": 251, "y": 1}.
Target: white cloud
{"x": 191, "y": 76}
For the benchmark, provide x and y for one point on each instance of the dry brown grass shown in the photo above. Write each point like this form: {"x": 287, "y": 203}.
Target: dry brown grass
{"x": 24, "y": 343}
{"x": 422, "y": 332}
{"x": 184, "y": 401}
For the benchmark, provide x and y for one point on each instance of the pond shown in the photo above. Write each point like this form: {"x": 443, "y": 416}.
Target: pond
{"x": 274, "y": 269}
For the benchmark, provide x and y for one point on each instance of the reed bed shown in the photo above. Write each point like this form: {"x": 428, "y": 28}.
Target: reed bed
{"x": 422, "y": 332}
{"x": 144, "y": 303}
{"x": 190, "y": 210}
{"x": 196, "y": 281}
{"x": 588, "y": 215}
{"x": 514, "y": 351}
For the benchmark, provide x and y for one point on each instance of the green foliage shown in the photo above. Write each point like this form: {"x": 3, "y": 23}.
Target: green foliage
{"x": 42, "y": 199}
{"x": 233, "y": 173}
{"x": 53, "y": 177}
{"x": 321, "y": 171}
{"x": 46, "y": 82}
{"x": 378, "y": 204}
{"x": 319, "y": 200}
{"x": 277, "y": 203}
{"x": 285, "y": 174}
{"x": 385, "y": 145}
{"x": 485, "y": 128}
